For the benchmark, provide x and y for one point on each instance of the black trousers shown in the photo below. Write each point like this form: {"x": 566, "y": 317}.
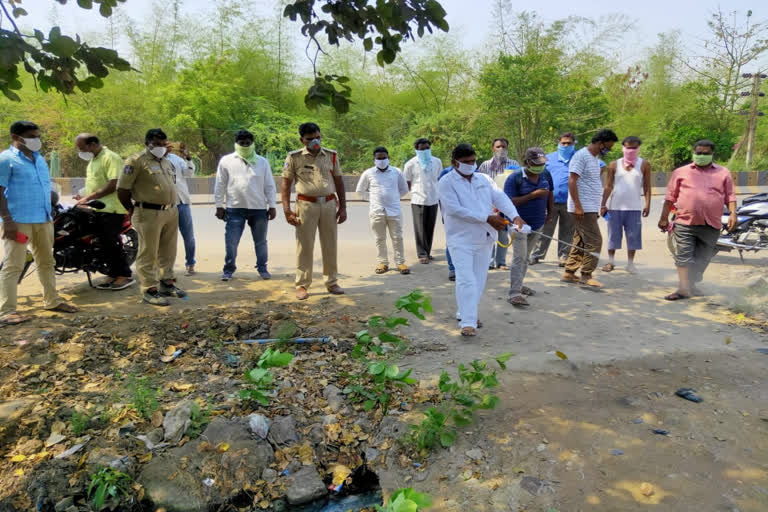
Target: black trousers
{"x": 109, "y": 226}
{"x": 424, "y": 218}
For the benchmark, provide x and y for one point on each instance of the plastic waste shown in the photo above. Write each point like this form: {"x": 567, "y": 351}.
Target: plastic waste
{"x": 259, "y": 425}
{"x": 689, "y": 394}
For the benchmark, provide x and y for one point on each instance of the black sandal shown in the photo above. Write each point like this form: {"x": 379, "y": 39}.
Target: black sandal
{"x": 676, "y": 296}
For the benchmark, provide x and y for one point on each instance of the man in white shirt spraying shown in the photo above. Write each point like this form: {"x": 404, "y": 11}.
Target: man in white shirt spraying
{"x": 244, "y": 181}
{"x": 185, "y": 168}
{"x": 421, "y": 173}
{"x": 471, "y": 228}
{"x": 383, "y": 186}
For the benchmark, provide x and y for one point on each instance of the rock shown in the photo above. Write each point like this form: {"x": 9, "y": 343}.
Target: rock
{"x": 305, "y": 486}
{"x": 371, "y": 454}
{"x": 475, "y": 454}
{"x": 283, "y": 430}
{"x": 29, "y": 447}
{"x": 334, "y": 397}
{"x": 364, "y": 423}
{"x": 269, "y": 475}
{"x": 532, "y": 484}
{"x": 330, "y": 419}
{"x": 182, "y": 494}
{"x": 630, "y": 401}
{"x": 64, "y": 504}
{"x": 125, "y": 464}
{"x": 756, "y": 283}
{"x": 126, "y": 429}
{"x": 259, "y": 425}
{"x": 177, "y": 421}
{"x": 156, "y": 435}
{"x": 317, "y": 434}
{"x": 390, "y": 428}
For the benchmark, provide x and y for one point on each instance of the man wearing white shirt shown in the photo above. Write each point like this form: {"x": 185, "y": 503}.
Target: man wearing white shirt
{"x": 383, "y": 186}
{"x": 184, "y": 168}
{"x": 421, "y": 173}
{"x": 244, "y": 182}
{"x": 467, "y": 200}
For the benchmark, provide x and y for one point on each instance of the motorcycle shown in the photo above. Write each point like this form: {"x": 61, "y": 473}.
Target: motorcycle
{"x": 750, "y": 234}
{"x": 75, "y": 246}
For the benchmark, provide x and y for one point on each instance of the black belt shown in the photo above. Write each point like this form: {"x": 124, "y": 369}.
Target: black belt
{"x": 152, "y": 206}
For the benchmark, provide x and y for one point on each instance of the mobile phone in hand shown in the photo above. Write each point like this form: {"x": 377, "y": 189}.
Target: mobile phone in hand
{"x": 21, "y": 237}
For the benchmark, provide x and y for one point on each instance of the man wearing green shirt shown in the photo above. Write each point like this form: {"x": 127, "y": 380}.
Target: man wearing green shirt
{"x": 104, "y": 168}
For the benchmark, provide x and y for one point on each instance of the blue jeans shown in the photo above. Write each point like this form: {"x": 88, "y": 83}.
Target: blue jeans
{"x": 499, "y": 253}
{"x": 187, "y": 233}
{"x": 451, "y": 268}
{"x": 236, "y": 220}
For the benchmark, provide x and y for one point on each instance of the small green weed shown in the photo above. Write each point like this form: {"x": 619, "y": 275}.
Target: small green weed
{"x": 79, "y": 423}
{"x": 377, "y": 386}
{"x": 108, "y": 487}
{"x": 260, "y": 380}
{"x": 379, "y": 328}
{"x": 143, "y": 395}
{"x": 471, "y": 392}
{"x": 198, "y": 420}
{"x": 406, "y": 500}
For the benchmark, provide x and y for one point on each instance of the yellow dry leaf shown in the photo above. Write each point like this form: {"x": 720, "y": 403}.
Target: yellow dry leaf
{"x": 157, "y": 419}
{"x": 145, "y": 458}
{"x": 180, "y": 387}
{"x": 222, "y": 447}
{"x": 348, "y": 438}
{"x": 306, "y": 454}
{"x": 264, "y": 504}
{"x": 333, "y": 431}
{"x": 82, "y": 460}
{"x": 169, "y": 350}
{"x": 340, "y": 473}
{"x": 561, "y": 355}
{"x": 385, "y": 445}
{"x": 18, "y": 458}
{"x": 19, "y": 472}
{"x": 728, "y": 340}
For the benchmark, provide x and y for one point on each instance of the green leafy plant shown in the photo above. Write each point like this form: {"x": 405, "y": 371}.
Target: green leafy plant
{"x": 462, "y": 397}
{"x": 380, "y": 327}
{"x": 79, "y": 423}
{"x": 378, "y": 384}
{"x": 108, "y": 487}
{"x": 260, "y": 380}
{"x": 198, "y": 419}
{"x": 143, "y": 395}
{"x": 406, "y": 500}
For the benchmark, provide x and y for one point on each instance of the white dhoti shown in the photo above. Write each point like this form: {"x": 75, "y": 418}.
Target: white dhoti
{"x": 471, "y": 262}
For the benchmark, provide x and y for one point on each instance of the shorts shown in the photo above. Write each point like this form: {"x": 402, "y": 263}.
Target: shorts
{"x": 695, "y": 245}
{"x": 628, "y": 222}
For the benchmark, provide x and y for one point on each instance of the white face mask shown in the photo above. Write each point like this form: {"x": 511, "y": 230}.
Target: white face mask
{"x": 466, "y": 169}
{"x": 85, "y": 155}
{"x": 382, "y": 164}
{"x": 33, "y": 144}
{"x": 158, "y": 151}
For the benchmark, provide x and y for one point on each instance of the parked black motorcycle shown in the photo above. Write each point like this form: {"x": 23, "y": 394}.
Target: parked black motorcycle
{"x": 751, "y": 233}
{"x": 75, "y": 247}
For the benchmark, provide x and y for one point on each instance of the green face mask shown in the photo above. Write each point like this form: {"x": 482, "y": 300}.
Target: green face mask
{"x": 245, "y": 152}
{"x": 536, "y": 169}
{"x": 702, "y": 160}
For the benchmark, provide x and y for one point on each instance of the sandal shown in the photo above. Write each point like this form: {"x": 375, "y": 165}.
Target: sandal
{"x": 569, "y": 278}
{"x": 381, "y": 269}
{"x": 518, "y": 300}
{"x": 116, "y": 287}
{"x": 14, "y": 319}
{"x": 65, "y": 307}
{"x": 676, "y": 296}
{"x": 608, "y": 267}
{"x": 423, "y": 261}
{"x": 403, "y": 269}
{"x": 468, "y": 331}
{"x": 503, "y": 267}
{"x": 591, "y": 283}
{"x": 527, "y": 291}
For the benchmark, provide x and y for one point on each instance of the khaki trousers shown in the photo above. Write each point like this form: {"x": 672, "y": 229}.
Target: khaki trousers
{"x": 41, "y": 245}
{"x": 586, "y": 234}
{"x": 380, "y": 223}
{"x": 158, "y": 232}
{"x": 320, "y": 216}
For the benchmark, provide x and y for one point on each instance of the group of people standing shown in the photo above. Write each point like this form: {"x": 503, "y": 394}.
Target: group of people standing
{"x": 482, "y": 208}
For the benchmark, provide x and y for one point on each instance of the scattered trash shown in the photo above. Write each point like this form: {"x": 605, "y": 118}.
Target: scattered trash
{"x": 208, "y": 482}
{"x": 171, "y": 357}
{"x": 689, "y": 394}
{"x": 21, "y": 343}
{"x": 660, "y": 431}
{"x": 617, "y": 452}
{"x": 416, "y": 465}
{"x": 647, "y": 489}
{"x": 232, "y": 360}
{"x": 561, "y": 355}
{"x": 277, "y": 340}
{"x": 638, "y": 421}
{"x": 185, "y": 325}
{"x": 762, "y": 350}
{"x": 54, "y": 439}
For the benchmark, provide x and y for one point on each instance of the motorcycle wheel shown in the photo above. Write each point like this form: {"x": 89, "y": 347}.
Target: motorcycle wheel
{"x": 130, "y": 241}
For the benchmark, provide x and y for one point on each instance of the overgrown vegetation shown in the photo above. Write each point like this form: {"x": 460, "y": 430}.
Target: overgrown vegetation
{"x": 462, "y": 398}
{"x": 377, "y": 385}
{"x": 143, "y": 395}
{"x": 199, "y": 418}
{"x": 260, "y": 381}
{"x": 108, "y": 487}
{"x": 406, "y": 500}
{"x": 79, "y": 423}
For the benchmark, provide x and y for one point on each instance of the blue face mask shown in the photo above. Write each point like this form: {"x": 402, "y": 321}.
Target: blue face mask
{"x": 565, "y": 152}
{"x": 425, "y": 157}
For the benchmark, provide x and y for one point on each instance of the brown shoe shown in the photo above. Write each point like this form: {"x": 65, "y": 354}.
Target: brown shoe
{"x": 569, "y": 278}
{"x": 590, "y": 283}
{"x": 403, "y": 269}
{"x": 336, "y": 290}
{"x": 301, "y": 293}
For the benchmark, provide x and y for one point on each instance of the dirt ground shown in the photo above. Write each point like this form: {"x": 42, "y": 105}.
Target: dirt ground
{"x": 568, "y": 435}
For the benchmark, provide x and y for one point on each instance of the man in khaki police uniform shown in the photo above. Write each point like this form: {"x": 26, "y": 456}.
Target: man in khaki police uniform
{"x": 317, "y": 173}
{"x": 149, "y": 179}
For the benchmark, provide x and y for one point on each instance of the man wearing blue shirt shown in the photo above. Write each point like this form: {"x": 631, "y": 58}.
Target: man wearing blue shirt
{"x": 531, "y": 191}
{"x": 557, "y": 166}
{"x": 25, "y": 209}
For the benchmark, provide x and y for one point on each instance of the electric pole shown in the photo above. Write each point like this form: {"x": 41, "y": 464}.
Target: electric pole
{"x": 754, "y": 113}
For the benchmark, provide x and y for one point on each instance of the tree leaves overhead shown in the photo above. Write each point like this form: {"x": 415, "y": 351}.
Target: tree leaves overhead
{"x": 58, "y": 62}
{"x": 382, "y": 24}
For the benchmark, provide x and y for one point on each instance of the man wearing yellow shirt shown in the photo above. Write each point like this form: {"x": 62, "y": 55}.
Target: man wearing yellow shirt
{"x": 104, "y": 168}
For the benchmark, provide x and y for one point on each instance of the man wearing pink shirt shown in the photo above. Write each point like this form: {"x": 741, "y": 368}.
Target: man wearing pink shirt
{"x": 698, "y": 190}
